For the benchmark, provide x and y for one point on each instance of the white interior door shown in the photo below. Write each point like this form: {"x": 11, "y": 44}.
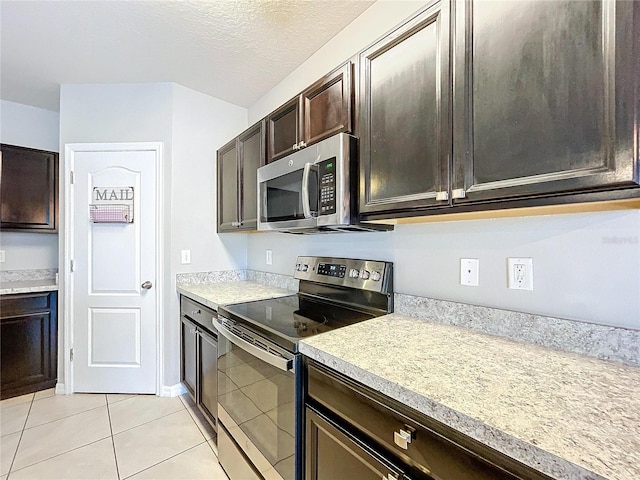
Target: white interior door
{"x": 113, "y": 293}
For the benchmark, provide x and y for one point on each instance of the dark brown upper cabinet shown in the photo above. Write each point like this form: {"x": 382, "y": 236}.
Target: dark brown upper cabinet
{"x": 322, "y": 110}
{"x": 403, "y": 119}
{"x": 545, "y": 99}
{"x": 28, "y": 190}
{"x": 238, "y": 163}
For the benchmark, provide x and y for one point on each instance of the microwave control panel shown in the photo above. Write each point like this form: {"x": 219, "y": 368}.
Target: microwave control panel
{"x": 327, "y": 175}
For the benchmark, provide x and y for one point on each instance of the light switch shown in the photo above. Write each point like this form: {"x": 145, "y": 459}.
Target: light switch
{"x": 186, "y": 257}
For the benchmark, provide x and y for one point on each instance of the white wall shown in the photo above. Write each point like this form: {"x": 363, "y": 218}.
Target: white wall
{"x": 31, "y": 127}
{"x": 191, "y": 126}
{"x": 201, "y": 124}
{"x": 586, "y": 266}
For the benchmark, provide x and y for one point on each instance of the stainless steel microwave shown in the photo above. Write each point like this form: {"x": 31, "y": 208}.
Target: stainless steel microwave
{"x": 313, "y": 190}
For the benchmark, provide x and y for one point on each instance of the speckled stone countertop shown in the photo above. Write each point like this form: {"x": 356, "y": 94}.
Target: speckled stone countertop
{"x": 28, "y": 286}
{"x": 567, "y": 415}
{"x": 224, "y": 293}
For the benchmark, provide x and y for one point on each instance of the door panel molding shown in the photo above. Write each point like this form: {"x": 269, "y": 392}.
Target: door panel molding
{"x": 65, "y": 335}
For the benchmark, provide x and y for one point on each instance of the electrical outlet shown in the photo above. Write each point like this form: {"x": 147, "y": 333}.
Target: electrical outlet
{"x": 2, "y": 258}
{"x": 185, "y": 256}
{"x": 520, "y": 273}
{"x": 469, "y": 272}
{"x": 269, "y": 257}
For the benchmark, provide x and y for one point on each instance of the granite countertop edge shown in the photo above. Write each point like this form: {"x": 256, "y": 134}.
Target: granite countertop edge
{"x": 247, "y": 291}
{"x": 28, "y": 286}
{"x": 518, "y": 449}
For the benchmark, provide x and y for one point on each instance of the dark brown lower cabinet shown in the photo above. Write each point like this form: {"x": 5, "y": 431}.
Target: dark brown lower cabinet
{"x": 354, "y": 432}
{"x": 29, "y": 339}
{"x": 199, "y": 357}
{"x": 333, "y": 453}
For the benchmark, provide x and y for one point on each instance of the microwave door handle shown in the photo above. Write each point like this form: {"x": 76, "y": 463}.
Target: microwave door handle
{"x": 306, "y": 202}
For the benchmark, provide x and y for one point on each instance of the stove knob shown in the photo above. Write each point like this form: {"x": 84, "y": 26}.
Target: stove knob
{"x": 375, "y": 276}
{"x": 304, "y": 267}
{"x": 364, "y": 274}
{"x": 353, "y": 273}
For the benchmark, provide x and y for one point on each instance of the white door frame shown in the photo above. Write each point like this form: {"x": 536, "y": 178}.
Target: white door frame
{"x": 68, "y": 310}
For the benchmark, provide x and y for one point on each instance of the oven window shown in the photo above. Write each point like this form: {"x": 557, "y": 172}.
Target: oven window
{"x": 284, "y": 197}
{"x": 259, "y": 401}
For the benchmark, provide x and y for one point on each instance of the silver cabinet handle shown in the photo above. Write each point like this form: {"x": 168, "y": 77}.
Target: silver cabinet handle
{"x": 391, "y": 476}
{"x": 147, "y": 285}
{"x": 402, "y": 438}
{"x": 295, "y": 146}
{"x": 196, "y": 312}
{"x": 236, "y": 224}
{"x": 302, "y": 145}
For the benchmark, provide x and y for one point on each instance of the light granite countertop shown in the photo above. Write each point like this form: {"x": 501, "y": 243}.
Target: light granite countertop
{"x": 28, "y": 286}
{"x": 224, "y": 293}
{"x": 567, "y": 415}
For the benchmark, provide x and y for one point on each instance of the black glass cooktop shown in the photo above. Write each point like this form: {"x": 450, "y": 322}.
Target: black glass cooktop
{"x": 286, "y": 320}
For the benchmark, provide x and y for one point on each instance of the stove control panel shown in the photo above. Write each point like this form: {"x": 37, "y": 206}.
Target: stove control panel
{"x": 364, "y": 274}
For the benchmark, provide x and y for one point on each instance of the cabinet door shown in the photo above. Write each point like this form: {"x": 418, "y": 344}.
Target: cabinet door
{"x": 544, "y": 98}
{"x": 331, "y": 453}
{"x": 284, "y": 127}
{"x": 404, "y": 115}
{"x": 327, "y": 105}
{"x": 252, "y": 156}
{"x": 29, "y": 189}
{"x": 188, "y": 354}
{"x": 208, "y": 385}
{"x": 28, "y": 336}
{"x": 228, "y": 191}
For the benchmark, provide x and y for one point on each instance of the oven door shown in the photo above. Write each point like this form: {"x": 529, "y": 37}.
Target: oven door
{"x": 256, "y": 405}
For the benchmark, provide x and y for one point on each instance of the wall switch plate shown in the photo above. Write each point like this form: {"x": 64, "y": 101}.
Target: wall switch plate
{"x": 185, "y": 257}
{"x": 520, "y": 273}
{"x": 470, "y": 272}
{"x": 269, "y": 257}
{"x": 2, "y": 257}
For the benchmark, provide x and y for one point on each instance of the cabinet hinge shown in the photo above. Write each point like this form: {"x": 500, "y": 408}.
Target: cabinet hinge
{"x": 72, "y": 265}
{"x": 71, "y": 354}
{"x": 71, "y": 177}
{"x": 458, "y": 193}
{"x": 442, "y": 196}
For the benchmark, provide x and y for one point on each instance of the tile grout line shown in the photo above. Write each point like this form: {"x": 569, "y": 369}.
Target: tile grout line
{"x": 166, "y": 459}
{"x": 113, "y": 442}
{"x": 13, "y": 459}
{"x": 62, "y": 418}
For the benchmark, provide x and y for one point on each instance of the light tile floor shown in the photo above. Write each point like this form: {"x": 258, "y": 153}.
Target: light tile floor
{"x": 97, "y": 436}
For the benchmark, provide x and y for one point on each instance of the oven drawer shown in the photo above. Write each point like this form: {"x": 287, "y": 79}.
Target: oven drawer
{"x": 429, "y": 447}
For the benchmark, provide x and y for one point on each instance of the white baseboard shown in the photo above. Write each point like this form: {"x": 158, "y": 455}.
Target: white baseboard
{"x": 173, "y": 390}
{"x": 60, "y": 389}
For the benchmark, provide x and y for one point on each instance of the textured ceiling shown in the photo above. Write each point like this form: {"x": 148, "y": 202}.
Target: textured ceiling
{"x": 235, "y": 50}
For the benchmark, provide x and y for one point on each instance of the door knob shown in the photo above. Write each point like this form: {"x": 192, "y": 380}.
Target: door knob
{"x": 147, "y": 285}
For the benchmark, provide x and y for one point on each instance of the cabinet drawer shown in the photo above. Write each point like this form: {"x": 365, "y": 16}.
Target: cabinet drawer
{"x": 434, "y": 449}
{"x": 20, "y": 304}
{"x": 197, "y": 312}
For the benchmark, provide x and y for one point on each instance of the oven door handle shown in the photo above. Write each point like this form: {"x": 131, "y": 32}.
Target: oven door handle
{"x": 273, "y": 360}
{"x": 306, "y": 201}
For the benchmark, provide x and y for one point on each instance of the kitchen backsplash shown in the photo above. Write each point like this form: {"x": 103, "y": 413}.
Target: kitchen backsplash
{"x": 609, "y": 343}
{"x": 25, "y": 275}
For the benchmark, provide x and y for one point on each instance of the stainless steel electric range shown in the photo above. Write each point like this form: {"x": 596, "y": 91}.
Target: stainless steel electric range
{"x": 259, "y": 380}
